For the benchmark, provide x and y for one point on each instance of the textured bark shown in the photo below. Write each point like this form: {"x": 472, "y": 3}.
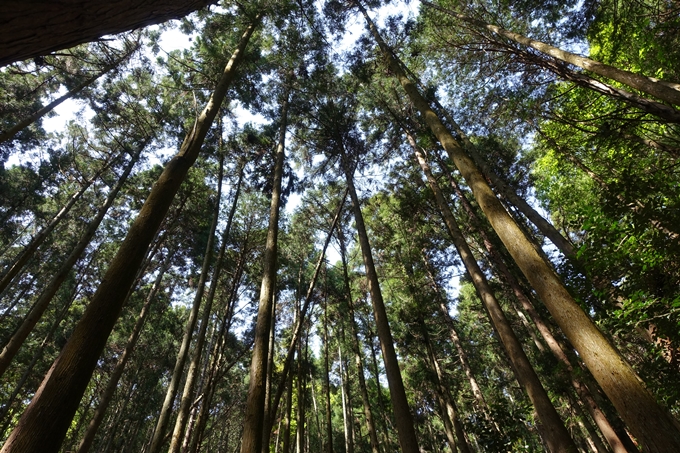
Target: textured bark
{"x": 404, "y": 420}
{"x": 43, "y": 425}
{"x": 38, "y": 27}
{"x": 553, "y": 431}
{"x": 112, "y": 385}
{"x": 253, "y": 421}
{"x": 666, "y": 91}
{"x": 638, "y": 408}
{"x": 38, "y": 309}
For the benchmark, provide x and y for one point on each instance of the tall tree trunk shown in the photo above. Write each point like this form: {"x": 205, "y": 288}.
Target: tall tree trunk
{"x": 253, "y": 421}
{"x": 43, "y": 425}
{"x": 289, "y": 407}
{"x": 666, "y": 91}
{"x": 31, "y": 29}
{"x": 107, "y": 395}
{"x": 301, "y": 396}
{"x": 347, "y": 416}
{"x": 327, "y": 378}
{"x": 448, "y": 408}
{"x": 27, "y": 325}
{"x": 368, "y": 414}
{"x": 402, "y": 413}
{"x": 552, "y": 430}
{"x": 269, "y": 416}
{"x": 581, "y": 390}
{"x": 183, "y": 353}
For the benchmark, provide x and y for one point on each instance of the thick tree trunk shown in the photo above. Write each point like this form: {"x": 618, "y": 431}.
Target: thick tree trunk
{"x": 253, "y": 421}
{"x": 43, "y": 425}
{"x": 33, "y": 28}
{"x": 666, "y": 91}
{"x": 107, "y": 395}
{"x": 619, "y": 381}
{"x": 552, "y": 430}
{"x": 402, "y": 413}
{"x": 22, "y": 332}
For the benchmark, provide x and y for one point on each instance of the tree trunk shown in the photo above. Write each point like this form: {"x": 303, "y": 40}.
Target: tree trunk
{"x": 327, "y": 379}
{"x": 402, "y": 413}
{"x": 370, "y": 423}
{"x": 666, "y": 91}
{"x": 347, "y": 416}
{"x": 253, "y": 421}
{"x": 183, "y": 353}
{"x": 552, "y": 430}
{"x": 117, "y": 372}
{"x": 30, "y": 29}
{"x": 636, "y": 405}
{"x": 22, "y": 332}
{"x": 43, "y": 425}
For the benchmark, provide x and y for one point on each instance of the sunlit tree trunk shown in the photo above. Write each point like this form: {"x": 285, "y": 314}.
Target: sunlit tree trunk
{"x": 43, "y": 425}
{"x": 617, "y": 379}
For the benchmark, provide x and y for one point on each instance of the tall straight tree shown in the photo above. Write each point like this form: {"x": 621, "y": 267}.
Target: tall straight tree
{"x": 638, "y": 408}
{"x": 251, "y": 441}
{"x": 43, "y": 425}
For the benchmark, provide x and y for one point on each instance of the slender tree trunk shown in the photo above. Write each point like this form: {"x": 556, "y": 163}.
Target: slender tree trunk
{"x": 192, "y": 373}
{"x": 448, "y": 408}
{"x": 402, "y": 413}
{"x": 619, "y": 381}
{"x": 347, "y": 416}
{"x": 43, "y": 425}
{"x": 253, "y": 421}
{"x": 22, "y": 332}
{"x": 269, "y": 416}
{"x": 666, "y": 91}
{"x": 552, "y": 430}
{"x": 117, "y": 372}
{"x": 178, "y": 370}
{"x": 289, "y": 407}
{"x": 327, "y": 379}
{"x": 301, "y": 396}
{"x": 368, "y": 414}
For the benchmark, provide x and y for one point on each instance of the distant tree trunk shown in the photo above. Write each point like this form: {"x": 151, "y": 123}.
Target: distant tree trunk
{"x": 253, "y": 421}
{"x": 22, "y": 332}
{"x": 402, "y": 413}
{"x": 183, "y": 353}
{"x": 448, "y": 408}
{"x": 368, "y": 414}
{"x": 117, "y": 372}
{"x": 347, "y": 416}
{"x": 645, "y": 417}
{"x": 43, "y": 425}
{"x": 301, "y": 396}
{"x": 327, "y": 380}
{"x": 552, "y": 430}
{"x": 666, "y": 91}
{"x": 30, "y": 29}
{"x": 289, "y": 407}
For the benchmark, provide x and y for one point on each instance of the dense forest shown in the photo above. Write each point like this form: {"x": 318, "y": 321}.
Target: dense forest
{"x": 449, "y": 227}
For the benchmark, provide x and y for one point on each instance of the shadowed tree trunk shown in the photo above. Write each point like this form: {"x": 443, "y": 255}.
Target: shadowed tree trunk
{"x": 32, "y": 28}
{"x": 638, "y": 408}
{"x": 43, "y": 425}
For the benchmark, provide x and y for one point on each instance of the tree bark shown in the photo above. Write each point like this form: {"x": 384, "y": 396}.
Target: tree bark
{"x": 30, "y": 29}
{"x": 327, "y": 380}
{"x": 552, "y": 430}
{"x": 645, "y": 417}
{"x": 43, "y": 425}
{"x": 402, "y": 413}
{"x": 253, "y": 422}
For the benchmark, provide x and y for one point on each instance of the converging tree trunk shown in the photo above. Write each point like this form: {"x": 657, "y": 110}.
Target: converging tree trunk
{"x": 617, "y": 379}
{"x": 43, "y": 425}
